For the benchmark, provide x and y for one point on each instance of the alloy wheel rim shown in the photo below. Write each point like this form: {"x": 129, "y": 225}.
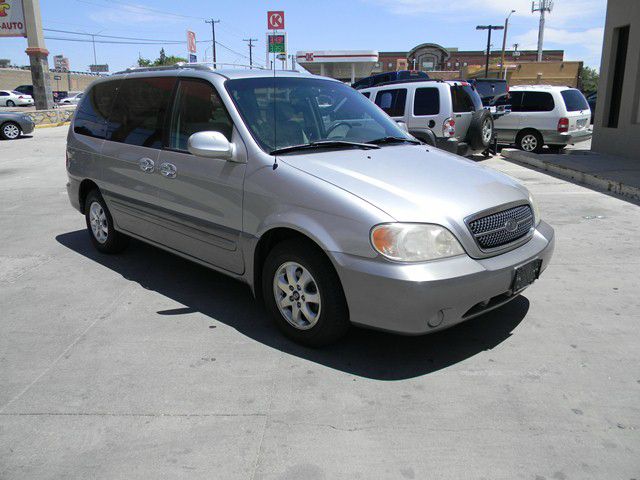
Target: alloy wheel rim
{"x": 486, "y": 131}
{"x": 98, "y": 221}
{"x": 297, "y": 295}
{"x": 529, "y": 143}
{"x": 11, "y": 131}
{"x": 11, "y": 103}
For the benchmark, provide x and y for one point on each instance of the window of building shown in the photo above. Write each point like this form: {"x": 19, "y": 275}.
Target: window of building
{"x": 197, "y": 108}
{"x": 537, "y": 102}
{"x": 619, "y": 58}
{"x": 426, "y": 101}
{"x": 138, "y": 115}
{"x": 392, "y": 101}
{"x": 95, "y": 108}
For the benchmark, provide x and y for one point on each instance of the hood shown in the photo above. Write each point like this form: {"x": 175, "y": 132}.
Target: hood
{"x": 413, "y": 183}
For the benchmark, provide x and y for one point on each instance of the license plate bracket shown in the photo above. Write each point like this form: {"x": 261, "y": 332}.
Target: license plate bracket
{"x": 525, "y": 275}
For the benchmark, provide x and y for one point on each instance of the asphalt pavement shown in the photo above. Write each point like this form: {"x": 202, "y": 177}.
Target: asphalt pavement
{"x": 144, "y": 365}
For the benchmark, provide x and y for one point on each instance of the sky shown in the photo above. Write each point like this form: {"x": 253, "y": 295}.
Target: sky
{"x": 385, "y": 25}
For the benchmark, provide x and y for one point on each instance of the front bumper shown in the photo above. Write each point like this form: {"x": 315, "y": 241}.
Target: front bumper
{"x": 414, "y": 299}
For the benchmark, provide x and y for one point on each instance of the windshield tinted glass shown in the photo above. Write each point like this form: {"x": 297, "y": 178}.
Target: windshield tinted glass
{"x": 574, "y": 100}
{"x": 282, "y": 112}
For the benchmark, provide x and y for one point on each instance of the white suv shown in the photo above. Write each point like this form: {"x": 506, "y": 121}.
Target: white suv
{"x": 543, "y": 115}
{"x": 446, "y": 114}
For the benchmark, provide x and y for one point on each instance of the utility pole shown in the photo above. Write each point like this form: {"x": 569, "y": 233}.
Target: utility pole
{"x": 213, "y": 38}
{"x": 489, "y": 28}
{"x": 93, "y": 40}
{"x": 541, "y": 6}
{"x": 503, "y": 70}
{"x": 250, "y": 41}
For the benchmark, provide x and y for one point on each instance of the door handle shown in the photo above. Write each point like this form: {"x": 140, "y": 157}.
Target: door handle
{"x": 168, "y": 170}
{"x": 146, "y": 165}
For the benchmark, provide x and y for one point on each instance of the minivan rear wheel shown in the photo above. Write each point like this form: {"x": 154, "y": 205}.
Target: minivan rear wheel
{"x": 303, "y": 294}
{"x": 100, "y": 225}
{"x": 530, "y": 141}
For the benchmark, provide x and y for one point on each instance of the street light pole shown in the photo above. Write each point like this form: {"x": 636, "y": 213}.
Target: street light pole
{"x": 489, "y": 28}
{"x": 504, "y": 43}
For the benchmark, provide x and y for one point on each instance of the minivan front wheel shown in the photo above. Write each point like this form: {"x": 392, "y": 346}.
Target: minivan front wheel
{"x": 100, "y": 225}
{"x": 530, "y": 141}
{"x": 9, "y": 131}
{"x": 303, "y": 294}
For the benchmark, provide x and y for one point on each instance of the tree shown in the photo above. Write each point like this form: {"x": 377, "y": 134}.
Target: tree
{"x": 163, "y": 59}
{"x": 589, "y": 79}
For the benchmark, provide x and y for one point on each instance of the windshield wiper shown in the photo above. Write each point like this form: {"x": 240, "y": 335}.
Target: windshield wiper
{"x": 322, "y": 144}
{"x": 379, "y": 141}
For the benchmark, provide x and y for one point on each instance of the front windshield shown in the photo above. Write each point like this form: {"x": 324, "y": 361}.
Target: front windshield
{"x": 283, "y": 112}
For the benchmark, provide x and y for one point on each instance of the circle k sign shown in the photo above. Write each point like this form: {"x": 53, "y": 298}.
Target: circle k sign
{"x": 275, "y": 20}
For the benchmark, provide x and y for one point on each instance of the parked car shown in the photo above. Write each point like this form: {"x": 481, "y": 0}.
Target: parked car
{"x": 544, "y": 115}
{"x": 379, "y": 78}
{"x": 28, "y": 90}
{"x": 13, "y": 124}
{"x": 72, "y": 99}
{"x": 451, "y": 111}
{"x": 9, "y": 98}
{"x": 488, "y": 88}
{"x": 333, "y": 216}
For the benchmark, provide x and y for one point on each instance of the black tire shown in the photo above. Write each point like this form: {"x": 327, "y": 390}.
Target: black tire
{"x": 10, "y": 131}
{"x": 333, "y": 314}
{"x": 114, "y": 242}
{"x": 530, "y": 141}
{"x": 477, "y": 138}
{"x": 11, "y": 103}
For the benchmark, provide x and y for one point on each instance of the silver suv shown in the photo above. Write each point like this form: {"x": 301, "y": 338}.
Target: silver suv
{"x": 303, "y": 189}
{"x": 448, "y": 115}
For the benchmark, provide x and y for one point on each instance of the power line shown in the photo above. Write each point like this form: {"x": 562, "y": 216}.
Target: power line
{"x": 82, "y": 40}
{"x": 140, "y": 7}
{"x": 110, "y": 36}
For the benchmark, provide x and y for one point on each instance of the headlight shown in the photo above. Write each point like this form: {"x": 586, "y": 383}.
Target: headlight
{"x": 414, "y": 242}
{"x": 536, "y": 210}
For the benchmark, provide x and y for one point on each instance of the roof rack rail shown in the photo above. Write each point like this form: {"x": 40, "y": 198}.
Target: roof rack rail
{"x": 184, "y": 65}
{"x": 407, "y": 80}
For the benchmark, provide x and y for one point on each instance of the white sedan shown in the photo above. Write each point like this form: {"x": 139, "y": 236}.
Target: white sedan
{"x": 10, "y": 98}
{"x": 71, "y": 99}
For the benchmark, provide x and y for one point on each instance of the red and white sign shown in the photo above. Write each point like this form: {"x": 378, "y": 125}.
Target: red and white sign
{"x": 275, "y": 20}
{"x": 12, "y": 19}
{"x": 308, "y": 57}
{"x": 191, "y": 41}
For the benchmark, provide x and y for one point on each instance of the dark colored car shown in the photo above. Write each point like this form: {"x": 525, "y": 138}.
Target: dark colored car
{"x": 14, "y": 124}
{"x": 592, "y": 99}
{"x": 28, "y": 90}
{"x": 379, "y": 78}
{"x": 488, "y": 88}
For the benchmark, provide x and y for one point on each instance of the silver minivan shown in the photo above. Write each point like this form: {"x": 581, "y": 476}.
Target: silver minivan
{"x": 305, "y": 190}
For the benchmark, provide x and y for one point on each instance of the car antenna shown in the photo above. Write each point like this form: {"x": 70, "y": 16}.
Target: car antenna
{"x": 275, "y": 123}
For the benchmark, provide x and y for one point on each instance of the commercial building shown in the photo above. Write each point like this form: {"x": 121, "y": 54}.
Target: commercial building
{"x": 616, "y": 128}
{"x": 10, "y": 78}
{"x": 351, "y": 65}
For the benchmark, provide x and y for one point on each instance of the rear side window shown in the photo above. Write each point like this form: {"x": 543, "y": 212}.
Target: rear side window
{"x": 465, "y": 99}
{"x": 197, "y": 108}
{"x": 94, "y": 109}
{"x": 426, "y": 101}
{"x": 516, "y": 101}
{"x": 537, "y": 102}
{"x": 574, "y": 100}
{"x": 392, "y": 101}
{"x": 137, "y": 118}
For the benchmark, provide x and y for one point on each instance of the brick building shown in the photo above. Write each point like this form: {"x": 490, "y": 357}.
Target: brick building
{"x": 431, "y": 56}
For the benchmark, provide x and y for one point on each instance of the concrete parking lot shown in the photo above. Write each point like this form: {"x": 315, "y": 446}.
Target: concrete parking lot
{"x": 144, "y": 365}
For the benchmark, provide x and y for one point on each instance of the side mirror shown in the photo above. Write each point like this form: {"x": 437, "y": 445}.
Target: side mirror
{"x": 211, "y": 145}
{"x": 403, "y": 125}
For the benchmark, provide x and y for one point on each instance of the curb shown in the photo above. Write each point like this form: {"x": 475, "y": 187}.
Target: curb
{"x": 590, "y": 179}
{"x": 51, "y": 125}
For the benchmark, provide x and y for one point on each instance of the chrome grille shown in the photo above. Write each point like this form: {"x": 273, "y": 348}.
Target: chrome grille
{"x": 502, "y": 228}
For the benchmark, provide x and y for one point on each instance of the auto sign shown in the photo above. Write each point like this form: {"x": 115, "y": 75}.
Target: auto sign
{"x": 12, "y": 19}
